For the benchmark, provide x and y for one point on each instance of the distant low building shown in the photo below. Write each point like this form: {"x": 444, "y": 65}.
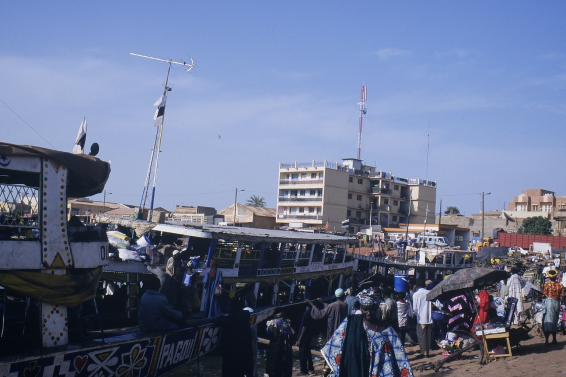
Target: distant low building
{"x": 193, "y": 214}
{"x": 85, "y": 209}
{"x": 248, "y": 216}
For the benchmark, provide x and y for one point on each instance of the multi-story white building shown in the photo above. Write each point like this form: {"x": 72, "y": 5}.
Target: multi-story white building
{"x": 311, "y": 195}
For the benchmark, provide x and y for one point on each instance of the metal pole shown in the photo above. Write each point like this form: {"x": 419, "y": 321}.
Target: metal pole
{"x": 408, "y": 223}
{"x": 235, "y": 204}
{"x": 482, "y": 214}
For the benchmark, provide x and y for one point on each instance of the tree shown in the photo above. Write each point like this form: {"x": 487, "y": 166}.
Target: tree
{"x": 451, "y": 210}
{"x": 256, "y": 201}
{"x": 536, "y": 225}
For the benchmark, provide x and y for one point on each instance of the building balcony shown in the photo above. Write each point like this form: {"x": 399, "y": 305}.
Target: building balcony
{"x": 313, "y": 164}
{"x": 377, "y": 190}
{"x": 300, "y": 182}
{"x": 299, "y": 217}
{"x": 299, "y": 199}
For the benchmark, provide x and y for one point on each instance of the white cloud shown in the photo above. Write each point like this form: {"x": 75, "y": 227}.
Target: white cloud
{"x": 388, "y": 53}
{"x": 457, "y": 52}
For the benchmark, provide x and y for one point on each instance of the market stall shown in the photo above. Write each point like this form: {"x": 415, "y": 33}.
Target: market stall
{"x": 461, "y": 284}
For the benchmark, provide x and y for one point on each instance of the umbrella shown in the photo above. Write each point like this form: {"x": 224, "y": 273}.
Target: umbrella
{"x": 475, "y": 277}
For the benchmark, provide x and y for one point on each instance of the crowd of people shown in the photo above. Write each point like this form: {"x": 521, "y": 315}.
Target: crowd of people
{"x": 367, "y": 331}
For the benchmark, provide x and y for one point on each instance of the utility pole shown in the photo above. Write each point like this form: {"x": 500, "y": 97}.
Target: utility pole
{"x": 236, "y": 204}
{"x": 483, "y": 213}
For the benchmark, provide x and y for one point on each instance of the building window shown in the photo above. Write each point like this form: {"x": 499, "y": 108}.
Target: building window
{"x": 535, "y": 208}
{"x": 349, "y": 196}
{"x": 396, "y": 187}
{"x": 319, "y": 192}
{"x": 358, "y": 197}
{"x": 360, "y": 181}
{"x": 348, "y": 213}
{"x": 319, "y": 211}
{"x": 395, "y": 202}
{"x": 294, "y": 177}
{"x": 385, "y": 201}
{"x": 358, "y": 214}
{"x": 311, "y": 210}
{"x": 350, "y": 179}
{"x": 312, "y": 192}
{"x": 75, "y": 211}
{"x": 459, "y": 238}
{"x": 320, "y": 175}
{"x": 313, "y": 175}
{"x": 293, "y": 210}
{"x": 303, "y": 175}
{"x": 301, "y": 192}
{"x": 301, "y": 209}
{"x": 546, "y": 208}
{"x": 294, "y": 193}
{"x": 522, "y": 207}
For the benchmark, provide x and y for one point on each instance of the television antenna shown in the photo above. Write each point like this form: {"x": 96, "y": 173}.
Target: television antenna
{"x": 151, "y": 177}
{"x": 363, "y": 110}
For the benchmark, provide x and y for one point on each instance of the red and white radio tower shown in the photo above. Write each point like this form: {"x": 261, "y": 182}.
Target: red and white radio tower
{"x": 363, "y": 110}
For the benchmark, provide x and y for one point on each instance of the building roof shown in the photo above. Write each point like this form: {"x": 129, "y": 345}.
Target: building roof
{"x": 261, "y": 211}
{"x": 258, "y": 211}
{"x": 121, "y": 211}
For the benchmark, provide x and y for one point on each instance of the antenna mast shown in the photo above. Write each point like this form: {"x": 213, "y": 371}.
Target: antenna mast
{"x": 151, "y": 177}
{"x": 363, "y": 110}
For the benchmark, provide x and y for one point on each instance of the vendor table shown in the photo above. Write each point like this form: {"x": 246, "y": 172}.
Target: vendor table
{"x": 503, "y": 335}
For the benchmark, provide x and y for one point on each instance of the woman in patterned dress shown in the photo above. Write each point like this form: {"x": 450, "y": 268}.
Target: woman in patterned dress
{"x": 366, "y": 346}
{"x": 279, "y": 361}
{"x": 553, "y": 291}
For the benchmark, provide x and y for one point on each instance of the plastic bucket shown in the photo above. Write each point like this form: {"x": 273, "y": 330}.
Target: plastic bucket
{"x": 401, "y": 283}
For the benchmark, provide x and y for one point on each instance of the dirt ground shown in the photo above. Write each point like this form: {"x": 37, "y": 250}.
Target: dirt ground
{"x": 531, "y": 357}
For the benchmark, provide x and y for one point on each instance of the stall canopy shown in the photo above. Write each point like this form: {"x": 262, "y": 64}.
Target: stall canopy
{"x": 485, "y": 255}
{"x": 466, "y": 278}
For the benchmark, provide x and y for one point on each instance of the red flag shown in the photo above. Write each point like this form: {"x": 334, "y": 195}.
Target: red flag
{"x": 326, "y": 228}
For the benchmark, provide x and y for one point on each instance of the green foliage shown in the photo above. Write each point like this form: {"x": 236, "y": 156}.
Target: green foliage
{"x": 256, "y": 201}
{"x": 451, "y": 210}
{"x": 536, "y": 225}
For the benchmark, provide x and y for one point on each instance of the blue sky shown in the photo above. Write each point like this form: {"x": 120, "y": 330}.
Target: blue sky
{"x": 483, "y": 83}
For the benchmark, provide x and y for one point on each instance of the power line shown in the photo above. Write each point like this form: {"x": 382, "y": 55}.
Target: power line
{"x": 473, "y": 193}
{"x": 27, "y": 123}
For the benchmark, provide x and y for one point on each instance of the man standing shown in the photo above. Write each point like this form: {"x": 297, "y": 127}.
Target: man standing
{"x": 336, "y": 312}
{"x": 304, "y": 343}
{"x": 515, "y": 286}
{"x": 423, "y": 311}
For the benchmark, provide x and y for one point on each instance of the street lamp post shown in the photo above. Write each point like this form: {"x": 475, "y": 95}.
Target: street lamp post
{"x": 104, "y": 202}
{"x": 483, "y": 213}
{"x": 236, "y": 204}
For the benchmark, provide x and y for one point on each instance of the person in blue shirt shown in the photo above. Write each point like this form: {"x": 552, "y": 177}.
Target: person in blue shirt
{"x": 156, "y": 313}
